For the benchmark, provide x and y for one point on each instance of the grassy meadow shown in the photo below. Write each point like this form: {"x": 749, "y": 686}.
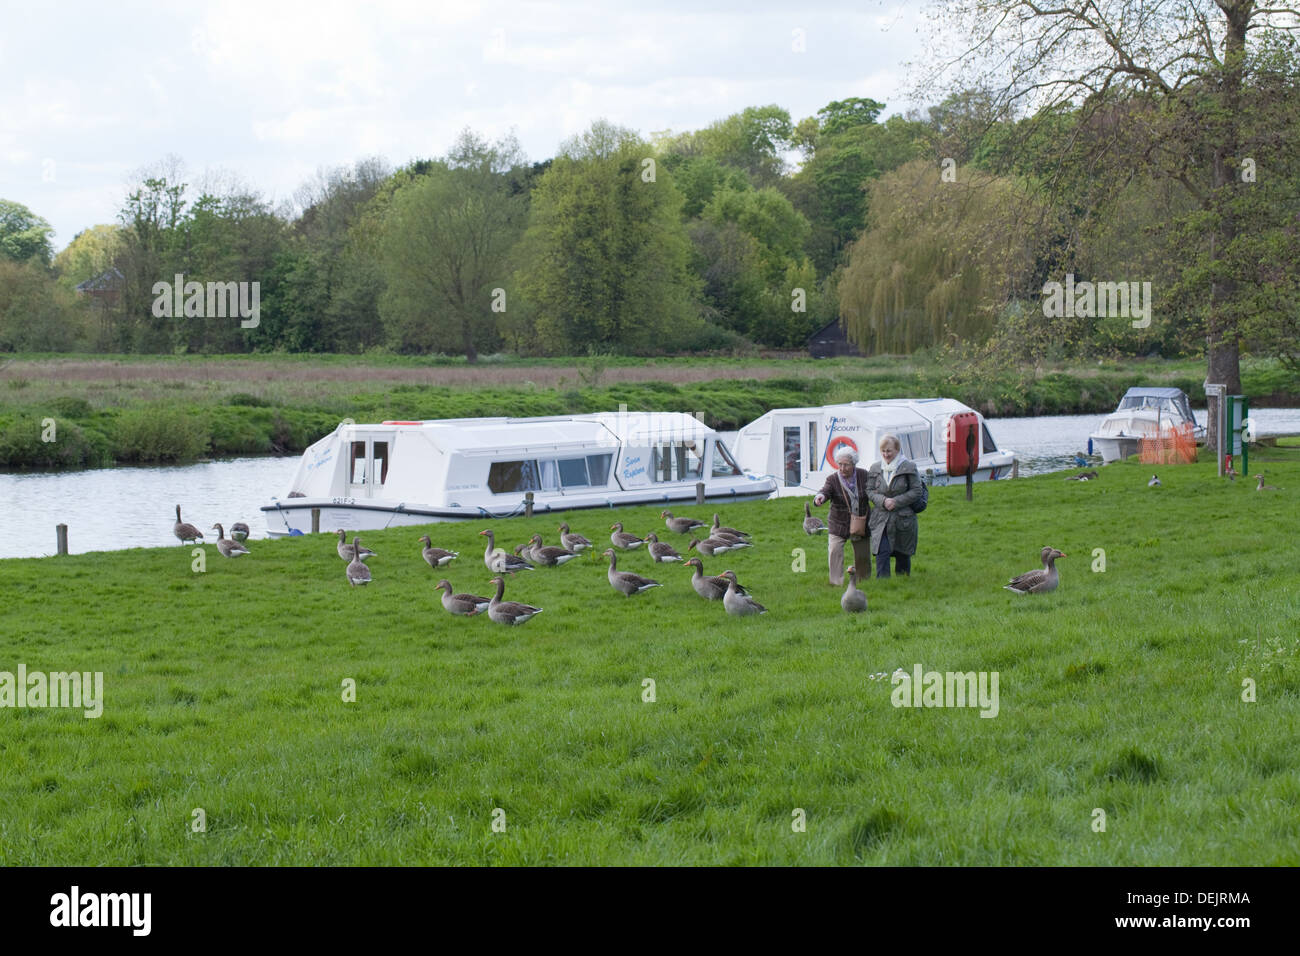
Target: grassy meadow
{"x": 1120, "y": 691}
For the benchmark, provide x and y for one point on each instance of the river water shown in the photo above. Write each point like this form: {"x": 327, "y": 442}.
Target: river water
{"x": 113, "y": 508}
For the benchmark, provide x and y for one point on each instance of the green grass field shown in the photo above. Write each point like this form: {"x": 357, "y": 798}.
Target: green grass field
{"x": 1121, "y": 691}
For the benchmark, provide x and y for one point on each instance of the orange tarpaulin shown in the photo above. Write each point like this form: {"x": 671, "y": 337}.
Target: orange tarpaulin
{"x": 1175, "y": 446}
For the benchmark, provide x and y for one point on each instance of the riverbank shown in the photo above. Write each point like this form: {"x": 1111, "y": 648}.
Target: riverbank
{"x": 90, "y": 411}
{"x": 1170, "y": 610}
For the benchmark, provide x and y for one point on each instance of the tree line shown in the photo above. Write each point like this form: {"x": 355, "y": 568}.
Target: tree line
{"x": 938, "y": 229}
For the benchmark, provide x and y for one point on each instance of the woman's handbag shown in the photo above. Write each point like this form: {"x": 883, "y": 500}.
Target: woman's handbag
{"x": 857, "y": 527}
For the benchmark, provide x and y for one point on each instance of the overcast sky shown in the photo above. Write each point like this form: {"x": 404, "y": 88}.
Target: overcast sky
{"x": 271, "y": 91}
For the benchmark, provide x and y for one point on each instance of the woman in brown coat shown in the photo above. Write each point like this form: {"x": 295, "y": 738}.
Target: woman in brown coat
{"x": 846, "y": 490}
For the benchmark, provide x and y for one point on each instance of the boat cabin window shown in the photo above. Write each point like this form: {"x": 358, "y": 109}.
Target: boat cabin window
{"x": 548, "y": 474}
{"x": 676, "y": 461}
{"x": 381, "y": 460}
{"x": 724, "y": 466}
{"x": 357, "y": 464}
{"x": 792, "y": 455}
{"x": 915, "y": 444}
{"x": 989, "y": 444}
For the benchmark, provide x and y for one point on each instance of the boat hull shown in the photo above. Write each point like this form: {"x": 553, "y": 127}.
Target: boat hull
{"x": 293, "y": 516}
{"x": 1112, "y": 448}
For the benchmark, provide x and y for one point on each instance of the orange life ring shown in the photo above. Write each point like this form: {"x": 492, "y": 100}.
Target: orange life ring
{"x": 834, "y": 445}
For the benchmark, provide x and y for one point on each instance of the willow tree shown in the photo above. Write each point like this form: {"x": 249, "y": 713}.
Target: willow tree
{"x": 941, "y": 256}
{"x": 1191, "y": 64}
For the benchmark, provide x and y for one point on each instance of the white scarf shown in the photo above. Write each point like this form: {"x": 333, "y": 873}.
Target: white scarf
{"x": 889, "y": 469}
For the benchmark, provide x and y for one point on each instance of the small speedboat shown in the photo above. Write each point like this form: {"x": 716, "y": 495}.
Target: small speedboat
{"x": 1150, "y": 413}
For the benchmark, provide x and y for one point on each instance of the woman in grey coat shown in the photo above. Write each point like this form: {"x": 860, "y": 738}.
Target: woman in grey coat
{"x": 893, "y": 486}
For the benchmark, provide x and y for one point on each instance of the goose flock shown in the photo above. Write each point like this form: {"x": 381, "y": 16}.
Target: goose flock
{"x": 721, "y": 539}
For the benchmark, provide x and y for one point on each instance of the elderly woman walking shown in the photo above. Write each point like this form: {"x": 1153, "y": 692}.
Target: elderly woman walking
{"x": 846, "y": 490}
{"x": 893, "y": 486}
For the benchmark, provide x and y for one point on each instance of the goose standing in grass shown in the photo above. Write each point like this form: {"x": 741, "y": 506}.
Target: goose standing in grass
{"x": 662, "y": 553}
{"x": 709, "y": 588}
{"x": 1231, "y": 473}
{"x": 497, "y": 559}
{"x": 436, "y": 557}
{"x": 346, "y": 551}
{"x": 549, "y": 555}
{"x": 1263, "y": 487}
{"x": 626, "y": 581}
{"x": 1041, "y": 580}
{"x": 853, "y": 600}
{"x": 509, "y": 612}
{"x": 713, "y": 546}
{"x": 184, "y": 530}
{"x": 680, "y": 525}
{"x": 1154, "y": 482}
{"x": 624, "y": 539}
{"x": 228, "y": 548}
{"x": 574, "y": 542}
{"x": 358, "y": 573}
{"x": 736, "y": 601}
{"x": 718, "y": 530}
{"x": 239, "y": 531}
{"x": 466, "y": 605}
{"x": 811, "y": 523}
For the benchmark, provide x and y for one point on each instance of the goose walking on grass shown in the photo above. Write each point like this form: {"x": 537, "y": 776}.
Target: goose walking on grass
{"x": 853, "y": 600}
{"x": 736, "y": 601}
{"x": 228, "y": 548}
{"x": 624, "y": 539}
{"x": 465, "y": 605}
{"x": 718, "y": 530}
{"x": 239, "y": 531}
{"x": 574, "y": 542}
{"x": 1154, "y": 482}
{"x": 680, "y": 525}
{"x": 436, "y": 557}
{"x": 626, "y": 581}
{"x": 346, "y": 551}
{"x": 184, "y": 530}
{"x": 358, "y": 573}
{"x": 662, "y": 553}
{"x": 509, "y": 612}
{"x": 1041, "y": 580}
{"x": 549, "y": 555}
{"x": 1263, "y": 487}
{"x": 715, "y": 546}
{"x": 709, "y": 588}
{"x": 811, "y": 523}
{"x": 497, "y": 559}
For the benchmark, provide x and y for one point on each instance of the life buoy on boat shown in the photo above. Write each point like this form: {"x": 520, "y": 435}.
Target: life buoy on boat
{"x": 834, "y": 445}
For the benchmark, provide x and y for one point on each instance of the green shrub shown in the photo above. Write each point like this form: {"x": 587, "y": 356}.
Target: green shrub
{"x": 66, "y": 406}
{"x": 160, "y": 434}
{"x": 247, "y": 400}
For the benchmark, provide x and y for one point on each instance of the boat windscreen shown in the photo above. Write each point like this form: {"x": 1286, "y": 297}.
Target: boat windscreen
{"x": 723, "y": 464}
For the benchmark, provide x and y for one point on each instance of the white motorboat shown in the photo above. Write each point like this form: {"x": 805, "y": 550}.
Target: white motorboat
{"x": 797, "y": 446}
{"x": 414, "y": 472}
{"x": 1143, "y": 413}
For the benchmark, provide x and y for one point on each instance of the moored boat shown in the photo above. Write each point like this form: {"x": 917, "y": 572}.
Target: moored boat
{"x": 415, "y": 472}
{"x": 1144, "y": 412}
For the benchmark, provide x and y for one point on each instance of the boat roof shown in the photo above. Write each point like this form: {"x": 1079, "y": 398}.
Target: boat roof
{"x": 926, "y": 407}
{"x": 558, "y": 432}
{"x": 1145, "y": 391}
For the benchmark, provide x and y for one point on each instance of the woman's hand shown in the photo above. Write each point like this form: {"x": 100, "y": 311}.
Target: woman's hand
{"x": 889, "y": 504}
{"x": 818, "y": 500}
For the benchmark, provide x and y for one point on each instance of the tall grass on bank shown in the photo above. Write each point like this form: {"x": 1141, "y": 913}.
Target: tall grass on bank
{"x": 1120, "y": 692}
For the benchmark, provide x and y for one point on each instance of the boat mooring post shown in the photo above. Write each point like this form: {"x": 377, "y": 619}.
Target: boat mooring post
{"x": 315, "y": 521}
{"x": 1015, "y": 467}
{"x": 61, "y": 531}
{"x": 528, "y": 504}
{"x": 699, "y": 492}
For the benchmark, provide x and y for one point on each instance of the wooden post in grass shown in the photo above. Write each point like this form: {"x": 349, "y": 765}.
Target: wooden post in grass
{"x": 315, "y": 521}
{"x": 528, "y": 504}
{"x": 61, "y": 531}
{"x": 1015, "y": 467}
{"x": 699, "y": 492}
